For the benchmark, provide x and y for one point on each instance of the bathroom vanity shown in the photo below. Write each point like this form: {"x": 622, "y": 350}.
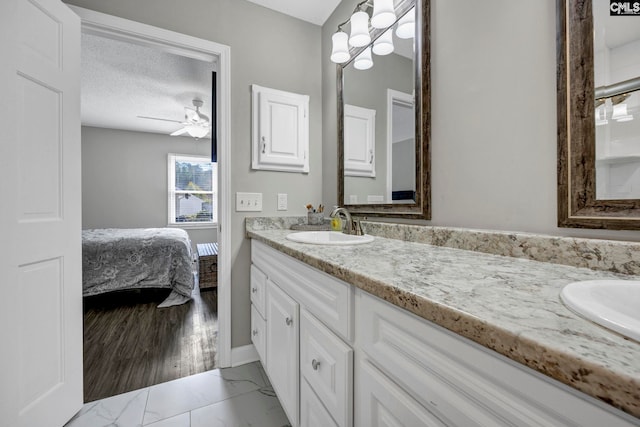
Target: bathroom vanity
{"x": 402, "y": 333}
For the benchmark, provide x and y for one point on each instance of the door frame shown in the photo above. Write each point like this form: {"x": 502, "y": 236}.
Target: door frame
{"x": 113, "y": 27}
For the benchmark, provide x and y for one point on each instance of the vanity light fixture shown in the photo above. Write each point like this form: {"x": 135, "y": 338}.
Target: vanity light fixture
{"x": 383, "y": 15}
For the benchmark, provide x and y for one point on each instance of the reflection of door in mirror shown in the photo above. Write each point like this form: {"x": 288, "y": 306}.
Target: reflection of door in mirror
{"x": 617, "y": 103}
{"x": 365, "y": 94}
{"x": 401, "y": 148}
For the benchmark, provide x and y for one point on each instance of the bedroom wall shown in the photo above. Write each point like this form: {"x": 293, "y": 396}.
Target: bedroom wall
{"x": 493, "y": 122}
{"x": 269, "y": 49}
{"x": 124, "y": 179}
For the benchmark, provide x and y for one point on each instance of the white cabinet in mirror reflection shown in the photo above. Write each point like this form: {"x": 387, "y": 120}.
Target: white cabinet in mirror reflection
{"x": 280, "y": 130}
{"x": 359, "y": 141}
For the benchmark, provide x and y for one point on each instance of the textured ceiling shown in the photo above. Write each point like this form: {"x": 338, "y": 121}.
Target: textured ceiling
{"x": 122, "y": 80}
{"x": 314, "y": 11}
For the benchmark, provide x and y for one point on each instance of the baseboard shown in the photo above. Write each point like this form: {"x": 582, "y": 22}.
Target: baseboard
{"x": 243, "y": 355}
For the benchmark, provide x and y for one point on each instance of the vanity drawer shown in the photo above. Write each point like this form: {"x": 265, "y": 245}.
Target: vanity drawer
{"x": 258, "y": 288}
{"x": 380, "y": 402}
{"x": 327, "y": 364}
{"x": 464, "y": 383}
{"x": 312, "y": 413}
{"x": 324, "y": 296}
{"x": 258, "y": 331}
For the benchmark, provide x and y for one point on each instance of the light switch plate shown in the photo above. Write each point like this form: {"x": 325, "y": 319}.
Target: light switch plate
{"x": 248, "y": 202}
{"x": 282, "y": 201}
{"x": 353, "y": 199}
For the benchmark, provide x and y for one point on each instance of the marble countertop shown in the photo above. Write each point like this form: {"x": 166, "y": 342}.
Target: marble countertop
{"x": 509, "y": 305}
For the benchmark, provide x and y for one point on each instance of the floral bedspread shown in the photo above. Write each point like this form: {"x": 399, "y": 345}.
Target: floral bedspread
{"x": 132, "y": 258}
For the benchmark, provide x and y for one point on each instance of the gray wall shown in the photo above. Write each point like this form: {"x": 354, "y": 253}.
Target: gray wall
{"x": 124, "y": 178}
{"x": 269, "y": 49}
{"x": 368, "y": 89}
{"x": 493, "y": 116}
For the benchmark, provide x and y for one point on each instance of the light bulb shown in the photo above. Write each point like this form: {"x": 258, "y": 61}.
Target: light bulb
{"x": 340, "y": 50}
{"x": 383, "y": 14}
{"x": 383, "y": 45}
{"x": 363, "y": 61}
{"x": 407, "y": 25}
{"x": 359, "y": 29}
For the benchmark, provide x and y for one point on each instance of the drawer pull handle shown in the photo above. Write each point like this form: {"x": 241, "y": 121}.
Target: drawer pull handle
{"x": 315, "y": 364}
{"x": 254, "y": 290}
{"x": 255, "y": 332}
{"x": 289, "y": 321}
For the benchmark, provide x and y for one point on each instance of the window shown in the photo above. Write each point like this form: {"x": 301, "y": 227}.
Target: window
{"x": 192, "y": 190}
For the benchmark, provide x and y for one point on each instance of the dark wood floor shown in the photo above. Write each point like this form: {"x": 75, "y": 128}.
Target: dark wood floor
{"x": 129, "y": 343}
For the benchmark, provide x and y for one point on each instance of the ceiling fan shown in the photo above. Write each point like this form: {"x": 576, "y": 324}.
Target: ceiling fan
{"x": 195, "y": 123}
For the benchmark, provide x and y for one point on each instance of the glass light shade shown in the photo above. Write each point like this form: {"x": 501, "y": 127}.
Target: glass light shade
{"x": 363, "y": 61}
{"x": 384, "y": 44}
{"x": 383, "y": 14}
{"x": 340, "y": 49}
{"x": 359, "y": 29}
{"x": 620, "y": 113}
{"x": 601, "y": 116}
{"x": 197, "y": 131}
{"x": 407, "y": 25}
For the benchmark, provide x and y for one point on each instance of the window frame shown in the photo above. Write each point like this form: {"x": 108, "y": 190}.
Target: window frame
{"x": 172, "y": 158}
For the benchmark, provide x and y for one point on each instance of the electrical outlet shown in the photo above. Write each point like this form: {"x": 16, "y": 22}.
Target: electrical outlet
{"x": 248, "y": 202}
{"x": 282, "y": 201}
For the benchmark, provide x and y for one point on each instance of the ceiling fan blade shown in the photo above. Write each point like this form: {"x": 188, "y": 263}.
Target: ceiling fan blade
{"x": 179, "y": 132}
{"x": 157, "y": 118}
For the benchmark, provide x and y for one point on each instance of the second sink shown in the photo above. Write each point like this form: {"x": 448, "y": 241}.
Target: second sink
{"x": 329, "y": 238}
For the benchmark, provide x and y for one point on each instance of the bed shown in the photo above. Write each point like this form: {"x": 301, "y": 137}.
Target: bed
{"x": 136, "y": 258}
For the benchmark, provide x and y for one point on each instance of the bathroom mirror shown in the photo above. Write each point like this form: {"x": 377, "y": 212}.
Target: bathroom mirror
{"x": 383, "y": 123}
{"x": 598, "y": 82}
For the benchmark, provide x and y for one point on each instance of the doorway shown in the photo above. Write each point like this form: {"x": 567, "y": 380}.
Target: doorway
{"x": 111, "y": 27}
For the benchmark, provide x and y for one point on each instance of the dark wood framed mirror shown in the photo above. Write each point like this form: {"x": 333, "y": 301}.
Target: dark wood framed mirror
{"x": 582, "y": 202}
{"x": 412, "y": 199}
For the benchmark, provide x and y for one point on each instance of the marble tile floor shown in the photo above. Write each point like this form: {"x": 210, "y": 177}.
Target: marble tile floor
{"x": 234, "y": 397}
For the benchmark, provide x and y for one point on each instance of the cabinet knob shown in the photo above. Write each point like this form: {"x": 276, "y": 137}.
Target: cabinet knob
{"x": 255, "y": 332}
{"x": 254, "y": 290}
{"x": 289, "y": 321}
{"x": 315, "y": 364}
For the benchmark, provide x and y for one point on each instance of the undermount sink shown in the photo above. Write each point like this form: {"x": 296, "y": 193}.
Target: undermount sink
{"x": 329, "y": 238}
{"x": 614, "y": 304}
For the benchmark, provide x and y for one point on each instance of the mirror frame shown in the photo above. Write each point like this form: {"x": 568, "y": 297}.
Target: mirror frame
{"x": 577, "y": 203}
{"x": 421, "y": 209}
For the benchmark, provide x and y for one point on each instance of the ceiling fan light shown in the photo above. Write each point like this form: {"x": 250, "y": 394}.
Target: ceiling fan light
{"x": 383, "y": 45}
{"x": 363, "y": 61}
{"x": 340, "y": 50}
{"x": 407, "y": 25}
{"x": 197, "y": 131}
{"x": 383, "y": 14}
{"x": 359, "y": 29}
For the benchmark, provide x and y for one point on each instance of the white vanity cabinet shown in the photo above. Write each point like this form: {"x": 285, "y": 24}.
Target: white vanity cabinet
{"x": 339, "y": 356}
{"x": 455, "y": 381}
{"x": 307, "y": 325}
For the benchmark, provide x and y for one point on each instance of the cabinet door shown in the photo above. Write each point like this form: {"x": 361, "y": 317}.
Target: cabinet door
{"x": 283, "y": 338}
{"x": 381, "y": 403}
{"x": 312, "y": 413}
{"x": 258, "y": 284}
{"x": 359, "y": 141}
{"x": 326, "y": 362}
{"x": 258, "y": 326}
{"x": 280, "y": 130}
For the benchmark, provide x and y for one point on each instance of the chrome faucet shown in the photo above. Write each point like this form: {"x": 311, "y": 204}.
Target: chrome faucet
{"x": 350, "y": 225}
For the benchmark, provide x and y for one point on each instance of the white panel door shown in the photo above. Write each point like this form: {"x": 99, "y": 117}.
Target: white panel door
{"x": 283, "y": 364}
{"x": 40, "y": 263}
